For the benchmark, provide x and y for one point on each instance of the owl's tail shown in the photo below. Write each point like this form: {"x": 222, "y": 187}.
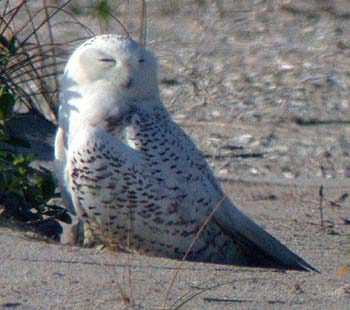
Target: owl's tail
{"x": 259, "y": 248}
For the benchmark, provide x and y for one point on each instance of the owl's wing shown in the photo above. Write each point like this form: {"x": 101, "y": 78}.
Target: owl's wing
{"x": 183, "y": 165}
{"x": 60, "y": 163}
{"x": 73, "y": 232}
{"x": 60, "y": 155}
{"x": 257, "y": 243}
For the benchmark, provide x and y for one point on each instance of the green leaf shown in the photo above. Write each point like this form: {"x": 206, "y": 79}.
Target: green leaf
{"x": 103, "y": 9}
{"x": 45, "y": 184}
{"x": 7, "y": 102}
{"x": 4, "y": 42}
{"x": 4, "y": 59}
{"x": 12, "y": 46}
{"x": 17, "y": 142}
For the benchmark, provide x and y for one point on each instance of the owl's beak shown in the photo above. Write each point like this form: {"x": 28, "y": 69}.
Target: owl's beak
{"x": 129, "y": 83}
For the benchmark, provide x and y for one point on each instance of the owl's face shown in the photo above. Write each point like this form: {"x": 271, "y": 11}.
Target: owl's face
{"x": 107, "y": 74}
{"x": 116, "y": 60}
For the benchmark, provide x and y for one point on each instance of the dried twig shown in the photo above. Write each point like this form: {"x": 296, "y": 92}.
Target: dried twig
{"x": 143, "y": 23}
{"x": 321, "y": 205}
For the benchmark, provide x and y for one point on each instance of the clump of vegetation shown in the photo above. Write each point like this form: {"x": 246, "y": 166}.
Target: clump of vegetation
{"x": 27, "y": 66}
{"x": 25, "y": 191}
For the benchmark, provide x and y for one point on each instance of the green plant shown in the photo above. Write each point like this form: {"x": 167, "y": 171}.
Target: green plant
{"x": 103, "y": 9}
{"x": 29, "y": 71}
{"x": 24, "y": 190}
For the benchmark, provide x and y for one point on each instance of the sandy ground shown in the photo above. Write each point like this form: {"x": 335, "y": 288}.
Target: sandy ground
{"x": 263, "y": 89}
{"x": 37, "y": 274}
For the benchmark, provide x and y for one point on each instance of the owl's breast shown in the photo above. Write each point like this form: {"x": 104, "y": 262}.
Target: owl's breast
{"x": 117, "y": 127}
{"x": 145, "y": 133}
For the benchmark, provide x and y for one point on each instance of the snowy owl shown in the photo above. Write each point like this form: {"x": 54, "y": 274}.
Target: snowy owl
{"x": 134, "y": 177}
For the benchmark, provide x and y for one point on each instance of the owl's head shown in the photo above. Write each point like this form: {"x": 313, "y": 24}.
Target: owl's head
{"x": 104, "y": 78}
{"x": 115, "y": 64}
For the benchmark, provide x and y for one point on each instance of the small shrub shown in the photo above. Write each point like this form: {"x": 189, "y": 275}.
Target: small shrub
{"x": 25, "y": 191}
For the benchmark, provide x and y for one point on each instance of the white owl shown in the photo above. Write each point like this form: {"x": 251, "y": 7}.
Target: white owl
{"x": 133, "y": 176}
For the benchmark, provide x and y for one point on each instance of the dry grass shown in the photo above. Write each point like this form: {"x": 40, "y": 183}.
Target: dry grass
{"x": 32, "y": 57}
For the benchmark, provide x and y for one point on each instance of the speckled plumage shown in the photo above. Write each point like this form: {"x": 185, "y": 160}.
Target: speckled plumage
{"x": 135, "y": 177}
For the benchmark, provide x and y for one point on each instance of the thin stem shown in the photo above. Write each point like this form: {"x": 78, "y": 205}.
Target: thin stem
{"x": 191, "y": 246}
